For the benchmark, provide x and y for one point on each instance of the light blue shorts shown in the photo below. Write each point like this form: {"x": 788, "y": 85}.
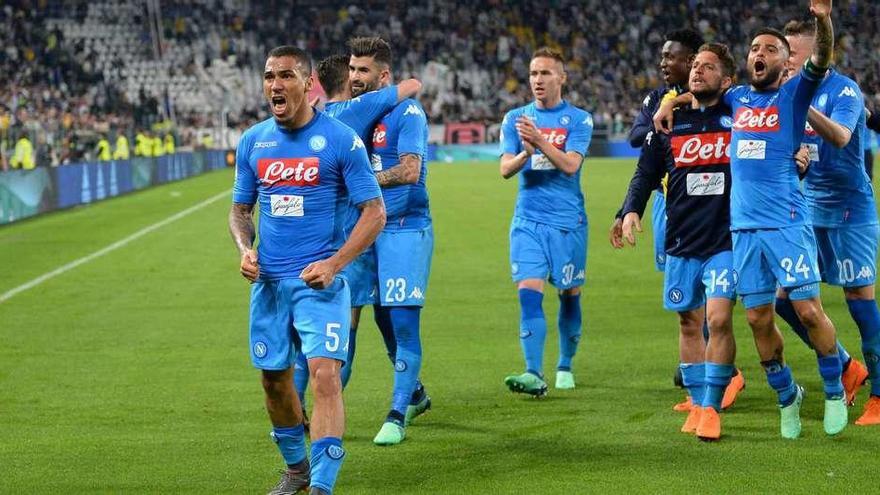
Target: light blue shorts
{"x": 322, "y": 319}
{"x": 658, "y": 221}
{"x": 361, "y": 277}
{"x": 540, "y": 251}
{"x": 848, "y": 255}
{"x": 403, "y": 262}
{"x": 767, "y": 258}
{"x": 689, "y": 282}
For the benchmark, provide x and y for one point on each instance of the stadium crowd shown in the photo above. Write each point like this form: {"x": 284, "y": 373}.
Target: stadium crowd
{"x": 471, "y": 57}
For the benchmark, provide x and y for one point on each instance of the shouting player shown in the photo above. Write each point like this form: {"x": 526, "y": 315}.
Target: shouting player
{"x": 544, "y": 143}
{"x": 302, "y": 167}
{"x": 841, "y": 204}
{"x": 773, "y": 241}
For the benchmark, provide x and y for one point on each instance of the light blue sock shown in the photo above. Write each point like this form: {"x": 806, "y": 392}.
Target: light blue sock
{"x": 349, "y": 360}
{"x": 382, "y": 317}
{"x": 693, "y": 375}
{"x": 717, "y": 378}
{"x": 785, "y": 309}
{"x": 327, "y": 457}
{"x": 301, "y": 376}
{"x": 569, "y": 322}
{"x": 409, "y": 355}
{"x": 781, "y": 380}
{"x": 532, "y": 330}
{"x": 291, "y": 443}
{"x": 867, "y": 317}
{"x": 831, "y": 369}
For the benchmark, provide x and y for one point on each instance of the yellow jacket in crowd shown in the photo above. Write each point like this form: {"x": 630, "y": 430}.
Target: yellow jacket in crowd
{"x": 104, "y": 150}
{"x": 23, "y": 156}
{"x": 143, "y": 146}
{"x": 158, "y": 147}
{"x": 121, "y": 151}
{"x": 169, "y": 144}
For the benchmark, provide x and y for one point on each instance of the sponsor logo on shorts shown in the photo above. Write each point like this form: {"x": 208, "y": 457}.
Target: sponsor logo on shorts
{"x": 416, "y": 294}
{"x": 749, "y": 149}
{"x": 580, "y": 275}
{"x": 865, "y": 272}
{"x": 757, "y": 119}
{"x": 400, "y": 366}
{"x": 335, "y": 452}
{"x": 675, "y": 295}
{"x": 260, "y": 349}
{"x": 289, "y": 171}
{"x": 286, "y": 205}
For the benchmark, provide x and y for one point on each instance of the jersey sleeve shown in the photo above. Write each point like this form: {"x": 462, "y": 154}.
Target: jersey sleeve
{"x": 356, "y": 172}
{"x": 581, "y": 134}
{"x": 510, "y": 142}
{"x": 245, "y": 188}
{"x": 644, "y": 122}
{"x": 411, "y": 138}
{"x": 848, "y": 106}
{"x": 648, "y": 175}
{"x": 378, "y": 103}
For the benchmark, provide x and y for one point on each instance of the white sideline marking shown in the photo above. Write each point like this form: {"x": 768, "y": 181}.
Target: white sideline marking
{"x": 112, "y": 247}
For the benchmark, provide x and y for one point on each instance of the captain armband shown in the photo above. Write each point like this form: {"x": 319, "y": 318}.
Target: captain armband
{"x": 814, "y": 71}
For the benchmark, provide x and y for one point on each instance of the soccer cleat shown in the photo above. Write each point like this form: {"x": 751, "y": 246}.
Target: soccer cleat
{"x": 526, "y": 383}
{"x": 853, "y": 378}
{"x": 684, "y": 406}
{"x": 564, "y": 380}
{"x": 790, "y": 416}
{"x": 414, "y": 411}
{"x": 836, "y": 415}
{"x": 709, "y": 428}
{"x": 736, "y": 385}
{"x": 693, "y": 420}
{"x": 871, "y": 415}
{"x": 391, "y": 433}
{"x": 292, "y": 481}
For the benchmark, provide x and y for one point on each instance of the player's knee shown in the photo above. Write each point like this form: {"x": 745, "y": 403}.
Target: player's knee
{"x": 719, "y": 321}
{"x": 865, "y": 293}
{"x": 810, "y": 313}
{"x": 691, "y": 323}
{"x": 760, "y": 318}
{"x": 275, "y": 383}
{"x": 326, "y": 380}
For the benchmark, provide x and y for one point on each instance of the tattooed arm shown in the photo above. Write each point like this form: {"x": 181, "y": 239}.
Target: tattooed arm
{"x": 241, "y": 226}
{"x": 406, "y": 172}
{"x": 824, "y": 49}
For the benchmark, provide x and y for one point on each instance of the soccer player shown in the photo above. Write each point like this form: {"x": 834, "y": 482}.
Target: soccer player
{"x": 402, "y": 252}
{"x": 544, "y": 143}
{"x": 302, "y": 167}
{"x": 773, "y": 242}
{"x": 841, "y": 205}
{"x": 361, "y": 114}
{"x": 699, "y": 261}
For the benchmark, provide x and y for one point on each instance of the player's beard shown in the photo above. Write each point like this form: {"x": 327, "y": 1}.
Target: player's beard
{"x": 770, "y": 77}
{"x": 366, "y": 88}
{"x": 706, "y": 94}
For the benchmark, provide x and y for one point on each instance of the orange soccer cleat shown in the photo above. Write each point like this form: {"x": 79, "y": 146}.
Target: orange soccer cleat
{"x": 709, "y": 428}
{"x": 871, "y": 416}
{"x": 853, "y": 379}
{"x": 693, "y": 420}
{"x": 684, "y": 406}
{"x": 736, "y": 385}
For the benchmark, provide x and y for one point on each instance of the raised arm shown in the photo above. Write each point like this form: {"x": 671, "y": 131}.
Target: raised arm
{"x": 408, "y": 88}
{"x": 823, "y": 52}
{"x": 829, "y": 130}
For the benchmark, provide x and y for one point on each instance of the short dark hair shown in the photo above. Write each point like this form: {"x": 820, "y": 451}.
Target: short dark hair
{"x": 333, "y": 74}
{"x": 722, "y": 51}
{"x": 688, "y": 38}
{"x": 773, "y": 32}
{"x": 547, "y": 52}
{"x": 295, "y": 52}
{"x": 797, "y": 27}
{"x": 371, "y": 46}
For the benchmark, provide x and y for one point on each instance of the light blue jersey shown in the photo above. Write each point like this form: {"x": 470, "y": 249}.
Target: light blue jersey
{"x": 546, "y": 194}
{"x": 363, "y": 112}
{"x": 838, "y": 189}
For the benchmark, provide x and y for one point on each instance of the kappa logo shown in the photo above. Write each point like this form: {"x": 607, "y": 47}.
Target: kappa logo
{"x": 412, "y": 109}
{"x": 648, "y": 138}
{"x": 416, "y": 294}
{"x": 865, "y": 272}
{"x": 847, "y": 91}
{"x": 588, "y": 120}
{"x": 357, "y": 143}
{"x": 580, "y": 275}
{"x": 647, "y": 101}
{"x": 265, "y": 144}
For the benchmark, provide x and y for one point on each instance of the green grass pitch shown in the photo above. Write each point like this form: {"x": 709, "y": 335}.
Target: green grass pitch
{"x": 130, "y": 373}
